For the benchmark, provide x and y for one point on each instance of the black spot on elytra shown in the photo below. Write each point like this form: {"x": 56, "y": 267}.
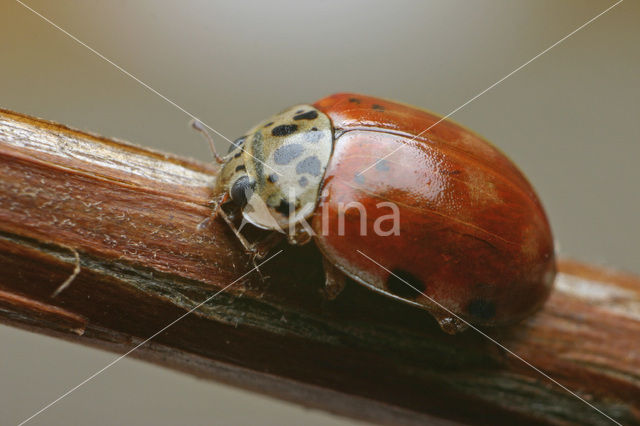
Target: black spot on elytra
{"x": 303, "y": 181}
{"x": 237, "y": 143}
{"x": 314, "y": 129}
{"x": 309, "y": 165}
{"x": 378, "y": 107}
{"x": 299, "y": 111}
{"x": 358, "y": 178}
{"x": 404, "y": 284}
{"x": 268, "y": 124}
{"x": 237, "y": 154}
{"x": 273, "y": 178}
{"x": 287, "y": 153}
{"x": 284, "y": 129}
{"x": 482, "y": 309}
{"x": 309, "y": 115}
{"x": 242, "y": 190}
{"x": 240, "y": 168}
{"x": 382, "y": 166}
{"x": 354, "y": 100}
{"x": 285, "y": 207}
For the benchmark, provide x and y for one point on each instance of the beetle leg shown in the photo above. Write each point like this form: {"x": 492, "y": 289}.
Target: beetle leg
{"x": 335, "y": 280}
{"x": 265, "y": 245}
{"x": 215, "y": 204}
{"x": 257, "y": 250}
{"x": 249, "y": 248}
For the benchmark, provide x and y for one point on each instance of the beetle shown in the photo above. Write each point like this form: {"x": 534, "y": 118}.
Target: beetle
{"x": 472, "y": 244}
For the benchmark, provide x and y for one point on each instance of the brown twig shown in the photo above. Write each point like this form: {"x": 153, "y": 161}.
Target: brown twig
{"x": 132, "y": 214}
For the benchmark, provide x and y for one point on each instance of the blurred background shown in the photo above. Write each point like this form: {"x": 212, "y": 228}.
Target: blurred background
{"x": 570, "y": 120}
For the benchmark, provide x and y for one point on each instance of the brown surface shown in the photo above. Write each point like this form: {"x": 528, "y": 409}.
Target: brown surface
{"x": 132, "y": 215}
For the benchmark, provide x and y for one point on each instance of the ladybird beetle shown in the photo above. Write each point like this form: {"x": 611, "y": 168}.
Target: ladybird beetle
{"x": 472, "y": 236}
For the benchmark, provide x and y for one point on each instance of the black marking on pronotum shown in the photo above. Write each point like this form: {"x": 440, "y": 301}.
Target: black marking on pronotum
{"x": 240, "y": 168}
{"x": 237, "y": 143}
{"x": 303, "y": 181}
{"x": 241, "y": 190}
{"x": 397, "y": 284}
{"x": 299, "y": 111}
{"x": 237, "y": 154}
{"x": 382, "y": 166}
{"x": 482, "y": 309}
{"x": 314, "y": 129}
{"x": 258, "y": 152}
{"x": 284, "y": 129}
{"x": 378, "y": 107}
{"x": 268, "y": 124}
{"x": 312, "y": 137}
{"x": 285, "y": 207}
{"x": 309, "y": 115}
{"x": 309, "y": 165}
{"x": 273, "y": 178}
{"x": 354, "y": 100}
{"x": 287, "y": 153}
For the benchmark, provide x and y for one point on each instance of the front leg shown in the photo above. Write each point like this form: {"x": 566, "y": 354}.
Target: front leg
{"x": 215, "y": 204}
{"x": 258, "y": 249}
{"x": 249, "y": 248}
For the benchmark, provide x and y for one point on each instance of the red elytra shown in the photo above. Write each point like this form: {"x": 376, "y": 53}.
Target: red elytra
{"x": 473, "y": 234}
{"x": 472, "y": 241}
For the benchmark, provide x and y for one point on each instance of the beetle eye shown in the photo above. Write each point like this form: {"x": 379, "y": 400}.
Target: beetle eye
{"x": 242, "y": 190}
